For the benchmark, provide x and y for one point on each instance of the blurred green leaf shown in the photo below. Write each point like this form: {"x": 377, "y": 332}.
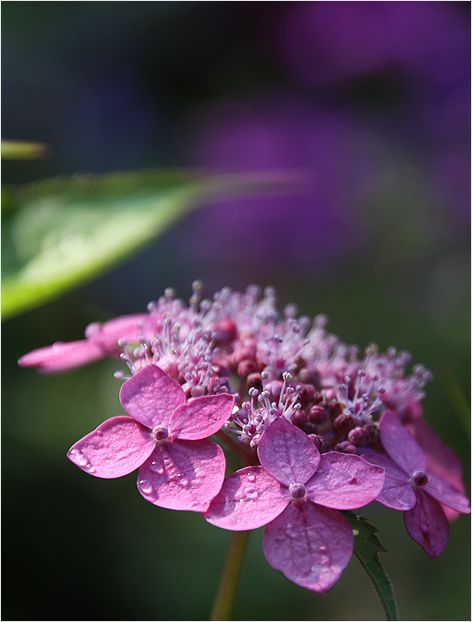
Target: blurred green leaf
{"x": 18, "y": 150}
{"x": 366, "y": 548}
{"x": 61, "y": 232}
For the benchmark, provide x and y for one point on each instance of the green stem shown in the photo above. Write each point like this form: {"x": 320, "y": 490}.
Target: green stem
{"x": 230, "y": 577}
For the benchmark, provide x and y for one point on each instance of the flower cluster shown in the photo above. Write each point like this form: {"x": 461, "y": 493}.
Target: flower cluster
{"x": 320, "y": 427}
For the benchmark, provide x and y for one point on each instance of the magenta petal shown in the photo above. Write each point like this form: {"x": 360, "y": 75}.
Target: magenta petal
{"x": 427, "y": 524}
{"x": 401, "y": 445}
{"x": 129, "y": 327}
{"x": 183, "y": 475}
{"x": 248, "y": 499}
{"x": 201, "y": 417}
{"x": 344, "y": 482}
{"x": 441, "y": 460}
{"x": 397, "y": 493}
{"x": 62, "y": 356}
{"x": 446, "y": 494}
{"x": 151, "y": 396}
{"x": 287, "y": 453}
{"x": 117, "y": 447}
{"x": 310, "y": 544}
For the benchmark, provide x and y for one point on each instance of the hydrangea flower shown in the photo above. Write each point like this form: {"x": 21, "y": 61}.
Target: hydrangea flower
{"x": 317, "y": 419}
{"x": 100, "y": 340}
{"x": 296, "y": 492}
{"x": 414, "y": 489}
{"x": 165, "y": 437}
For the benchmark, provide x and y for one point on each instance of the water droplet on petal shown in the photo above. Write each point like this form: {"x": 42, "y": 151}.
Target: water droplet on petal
{"x": 79, "y": 458}
{"x": 251, "y": 493}
{"x": 183, "y": 481}
{"x": 251, "y": 477}
{"x": 323, "y": 550}
{"x": 157, "y": 467}
{"x": 145, "y": 486}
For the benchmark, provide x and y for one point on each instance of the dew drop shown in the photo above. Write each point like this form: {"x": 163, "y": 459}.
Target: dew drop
{"x": 251, "y": 477}
{"x": 145, "y": 486}
{"x": 183, "y": 482}
{"x": 157, "y": 467}
{"x": 251, "y": 493}
{"x": 323, "y": 550}
{"x": 79, "y": 458}
{"x": 89, "y": 468}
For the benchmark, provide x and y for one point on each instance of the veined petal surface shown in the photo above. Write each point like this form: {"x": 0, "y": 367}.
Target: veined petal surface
{"x": 400, "y": 444}
{"x": 151, "y": 396}
{"x": 397, "y": 493}
{"x": 310, "y": 544}
{"x": 249, "y": 498}
{"x": 201, "y": 417}
{"x": 183, "y": 475}
{"x": 427, "y": 524}
{"x": 117, "y": 447}
{"x": 345, "y": 482}
{"x": 287, "y": 453}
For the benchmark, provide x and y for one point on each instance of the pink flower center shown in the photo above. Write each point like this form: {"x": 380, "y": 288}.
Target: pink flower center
{"x": 160, "y": 434}
{"x": 419, "y": 478}
{"x": 297, "y": 492}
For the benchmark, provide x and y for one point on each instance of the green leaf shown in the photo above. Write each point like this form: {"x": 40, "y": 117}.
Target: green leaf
{"x": 59, "y": 233}
{"x": 19, "y": 150}
{"x": 366, "y": 548}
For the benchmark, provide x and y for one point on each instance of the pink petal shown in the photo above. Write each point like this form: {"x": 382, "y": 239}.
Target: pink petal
{"x": 287, "y": 453}
{"x": 151, "y": 396}
{"x": 397, "y": 493}
{"x": 441, "y": 460}
{"x": 310, "y": 544}
{"x": 400, "y": 444}
{"x": 183, "y": 475}
{"x": 427, "y": 525}
{"x": 62, "y": 356}
{"x": 117, "y": 447}
{"x": 248, "y": 499}
{"x": 201, "y": 417}
{"x": 446, "y": 494}
{"x": 129, "y": 327}
{"x": 344, "y": 482}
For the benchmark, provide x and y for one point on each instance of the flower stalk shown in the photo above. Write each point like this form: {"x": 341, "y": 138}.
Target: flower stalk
{"x": 230, "y": 577}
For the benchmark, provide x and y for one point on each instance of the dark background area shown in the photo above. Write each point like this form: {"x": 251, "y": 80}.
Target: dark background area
{"x": 373, "y": 101}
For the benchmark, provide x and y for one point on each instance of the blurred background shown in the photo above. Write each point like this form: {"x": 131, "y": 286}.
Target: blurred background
{"x": 372, "y": 101}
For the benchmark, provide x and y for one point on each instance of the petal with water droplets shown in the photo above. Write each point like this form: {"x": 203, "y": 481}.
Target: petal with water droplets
{"x": 400, "y": 444}
{"x": 310, "y": 544}
{"x": 201, "y": 417}
{"x": 117, "y": 447}
{"x": 249, "y": 498}
{"x": 397, "y": 492}
{"x": 345, "y": 482}
{"x": 151, "y": 396}
{"x": 427, "y": 524}
{"x": 287, "y": 453}
{"x": 183, "y": 475}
